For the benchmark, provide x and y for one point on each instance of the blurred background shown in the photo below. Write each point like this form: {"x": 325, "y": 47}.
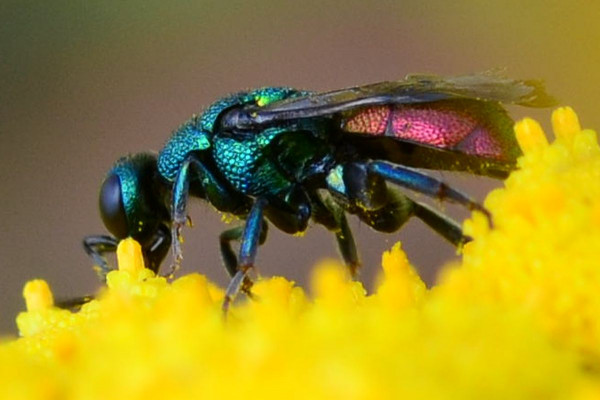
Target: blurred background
{"x": 84, "y": 82}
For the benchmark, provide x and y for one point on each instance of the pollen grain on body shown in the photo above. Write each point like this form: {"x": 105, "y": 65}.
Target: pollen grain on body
{"x": 518, "y": 317}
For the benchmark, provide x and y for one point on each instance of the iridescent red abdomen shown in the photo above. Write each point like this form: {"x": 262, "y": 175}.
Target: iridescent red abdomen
{"x": 470, "y": 126}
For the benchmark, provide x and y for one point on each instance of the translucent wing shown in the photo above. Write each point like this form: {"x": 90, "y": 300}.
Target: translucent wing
{"x": 413, "y": 89}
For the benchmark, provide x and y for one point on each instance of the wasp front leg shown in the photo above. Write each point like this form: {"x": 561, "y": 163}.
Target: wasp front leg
{"x": 179, "y": 200}
{"x": 154, "y": 250}
{"x": 98, "y": 245}
{"x": 218, "y": 192}
{"x": 157, "y": 248}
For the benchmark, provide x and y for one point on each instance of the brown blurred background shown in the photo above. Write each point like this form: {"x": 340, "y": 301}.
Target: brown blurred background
{"x": 84, "y": 82}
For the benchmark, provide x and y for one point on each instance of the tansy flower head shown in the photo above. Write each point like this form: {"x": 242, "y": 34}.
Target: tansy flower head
{"x": 519, "y": 317}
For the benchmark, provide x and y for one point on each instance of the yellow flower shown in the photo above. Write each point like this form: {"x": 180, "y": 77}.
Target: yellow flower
{"x": 542, "y": 255}
{"x": 518, "y": 318}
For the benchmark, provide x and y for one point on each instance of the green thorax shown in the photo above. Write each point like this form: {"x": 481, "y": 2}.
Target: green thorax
{"x": 197, "y": 133}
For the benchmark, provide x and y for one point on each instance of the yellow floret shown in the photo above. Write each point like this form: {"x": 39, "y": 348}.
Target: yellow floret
{"x": 517, "y": 318}
{"x": 543, "y": 255}
{"x": 37, "y": 295}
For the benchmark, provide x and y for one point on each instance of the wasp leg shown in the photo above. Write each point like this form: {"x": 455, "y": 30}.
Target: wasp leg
{"x": 96, "y": 246}
{"x": 400, "y": 208}
{"x": 346, "y": 245}
{"x": 333, "y": 217}
{"x": 391, "y": 216}
{"x": 446, "y": 227}
{"x": 363, "y": 192}
{"x": 157, "y": 250}
{"x": 248, "y": 247}
{"x": 218, "y": 193}
{"x": 227, "y": 253}
{"x": 178, "y": 215}
{"x": 419, "y": 182}
{"x": 229, "y": 257}
{"x": 290, "y": 211}
{"x": 74, "y": 303}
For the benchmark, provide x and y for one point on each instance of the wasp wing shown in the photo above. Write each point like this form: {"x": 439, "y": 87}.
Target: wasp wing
{"x": 412, "y": 90}
{"x": 452, "y": 123}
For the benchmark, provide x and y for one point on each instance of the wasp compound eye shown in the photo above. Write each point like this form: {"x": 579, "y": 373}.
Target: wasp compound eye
{"x": 112, "y": 208}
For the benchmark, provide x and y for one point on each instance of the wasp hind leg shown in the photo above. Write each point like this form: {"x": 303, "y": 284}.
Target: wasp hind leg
{"x": 422, "y": 183}
{"x": 442, "y": 224}
{"x": 400, "y": 209}
{"x": 361, "y": 188}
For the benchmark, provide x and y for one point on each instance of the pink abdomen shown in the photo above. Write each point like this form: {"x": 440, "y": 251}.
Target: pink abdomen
{"x": 472, "y": 127}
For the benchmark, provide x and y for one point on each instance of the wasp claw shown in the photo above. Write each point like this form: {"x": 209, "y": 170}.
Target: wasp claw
{"x": 478, "y": 207}
{"x": 173, "y": 268}
{"x": 225, "y": 306}
{"x": 488, "y": 215}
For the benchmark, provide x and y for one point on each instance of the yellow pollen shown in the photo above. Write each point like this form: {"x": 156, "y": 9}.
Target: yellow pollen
{"x": 228, "y": 218}
{"x": 261, "y": 101}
